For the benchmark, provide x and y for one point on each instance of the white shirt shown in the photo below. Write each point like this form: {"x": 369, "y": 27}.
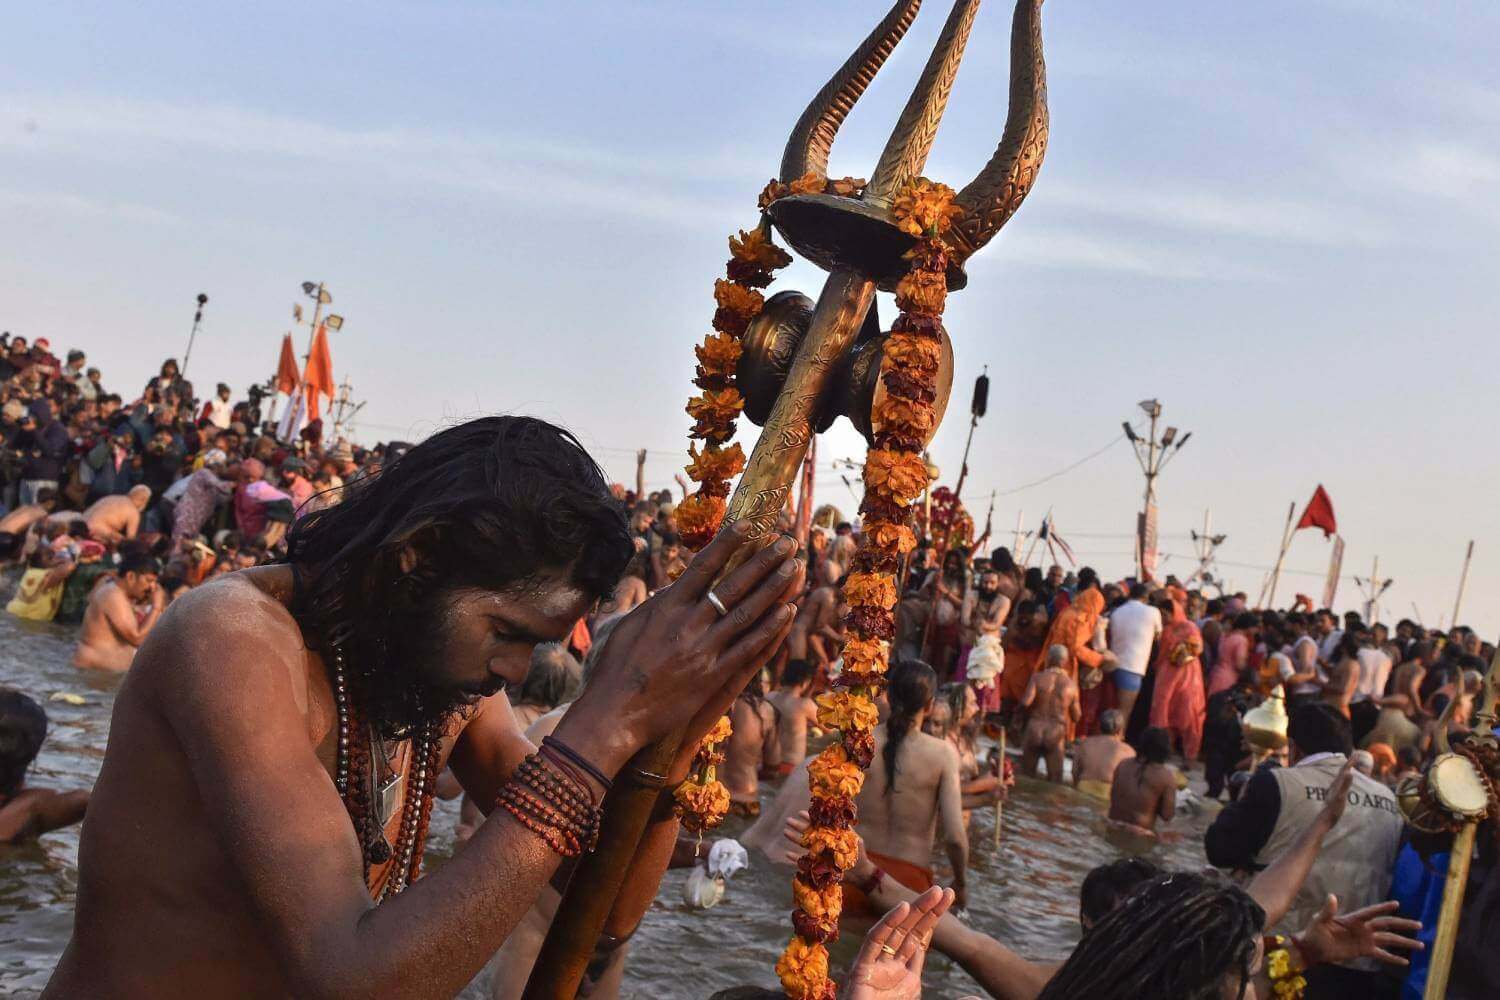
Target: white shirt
{"x": 1133, "y": 626}
{"x": 1329, "y": 645}
{"x": 1374, "y": 669}
{"x": 219, "y": 413}
{"x": 1307, "y": 687}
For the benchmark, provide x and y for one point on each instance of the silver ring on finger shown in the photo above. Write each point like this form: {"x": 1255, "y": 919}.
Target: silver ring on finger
{"x": 717, "y": 604}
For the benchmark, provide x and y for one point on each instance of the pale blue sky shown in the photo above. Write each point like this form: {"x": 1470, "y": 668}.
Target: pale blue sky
{"x": 1279, "y": 218}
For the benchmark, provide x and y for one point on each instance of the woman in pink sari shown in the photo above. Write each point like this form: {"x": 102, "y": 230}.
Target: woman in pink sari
{"x": 1178, "y": 703}
{"x": 1234, "y": 654}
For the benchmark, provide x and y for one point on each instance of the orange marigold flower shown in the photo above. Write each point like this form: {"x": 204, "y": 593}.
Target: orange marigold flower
{"x": 875, "y": 589}
{"x": 832, "y": 773}
{"x": 774, "y": 189}
{"x": 843, "y": 710}
{"x": 922, "y": 291}
{"x": 755, "y": 247}
{"x": 848, "y": 187}
{"x": 742, "y": 301}
{"x": 904, "y": 416}
{"x": 698, "y": 518}
{"x": 864, "y": 656}
{"x": 824, "y": 904}
{"x": 913, "y": 351}
{"x": 702, "y": 807}
{"x": 715, "y": 464}
{"x": 892, "y": 539}
{"x": 719, "y": 354}
{"x": 719, "y": 733}
{"x": 841, "y": 846}
{"x": 899, "y": 475}
{"x": 716, "y": 406}
{"x": 803, "y": 969}
{"x": 808, "y": 183}
{"x": 924, "y": 207}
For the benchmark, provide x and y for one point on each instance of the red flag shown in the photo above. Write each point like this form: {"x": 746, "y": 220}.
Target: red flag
{"x": 1319, "y": 513}
{"x": 286, "y": 368}
{"x": 319, "y": 375}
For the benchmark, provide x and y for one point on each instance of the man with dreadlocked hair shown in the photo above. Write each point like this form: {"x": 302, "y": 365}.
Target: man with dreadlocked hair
{"x": 269, "y": 772}
{"x": 1184, "y": 936}
{"x": 1191, "y": 936}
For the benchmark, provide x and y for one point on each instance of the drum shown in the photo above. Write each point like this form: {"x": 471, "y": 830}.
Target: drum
{"x": 1458, "y": 787}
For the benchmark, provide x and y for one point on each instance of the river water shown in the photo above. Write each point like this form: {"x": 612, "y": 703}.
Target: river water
{"x": 1027, "y": 896}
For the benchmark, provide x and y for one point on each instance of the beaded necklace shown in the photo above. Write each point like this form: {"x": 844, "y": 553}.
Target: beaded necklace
{"x": 354, "y": 778}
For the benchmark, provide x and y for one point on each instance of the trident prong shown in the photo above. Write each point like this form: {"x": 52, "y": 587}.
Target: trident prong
{"x": 906, "y": 152}
{"x": 812, "y": 137}
{"x": 988, "y": 201}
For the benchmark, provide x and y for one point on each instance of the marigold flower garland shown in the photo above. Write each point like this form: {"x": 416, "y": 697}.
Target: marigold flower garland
{"x": 702, "y": 800}
{"x": 895, "y": 476}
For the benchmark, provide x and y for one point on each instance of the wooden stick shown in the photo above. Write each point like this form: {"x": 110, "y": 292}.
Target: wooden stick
{"x": 1000, "y": 803}
{"x": 1286, "y": 541}
{"x": 1441, "y": 962}
{"x": 596, "y": 881}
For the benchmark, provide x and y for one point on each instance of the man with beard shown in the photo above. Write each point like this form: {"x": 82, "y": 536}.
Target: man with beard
{"x": 273, "y": 752}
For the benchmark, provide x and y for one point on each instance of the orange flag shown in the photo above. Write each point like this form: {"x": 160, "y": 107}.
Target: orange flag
{"x": 319, "y": 375}
{"x": 286, "y": 368}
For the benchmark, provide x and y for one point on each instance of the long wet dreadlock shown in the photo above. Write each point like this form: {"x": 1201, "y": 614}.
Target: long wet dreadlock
{"x": 1178, "y": 936}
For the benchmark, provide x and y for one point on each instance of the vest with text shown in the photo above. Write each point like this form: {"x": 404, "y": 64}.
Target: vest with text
{"x": 1357, "y": 855}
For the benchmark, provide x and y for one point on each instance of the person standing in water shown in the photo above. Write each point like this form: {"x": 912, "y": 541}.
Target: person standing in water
{"x": 912, "y": 786}
{"x": 1051, "y": 699}
{"x": 1096, "y": 757}
{"x": 1144, "y": 787}
{"x": 795, "y": 713}
{"x": 112, "y": 629}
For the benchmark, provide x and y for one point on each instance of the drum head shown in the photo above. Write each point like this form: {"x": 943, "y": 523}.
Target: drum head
{"x": 1457, "y": 786}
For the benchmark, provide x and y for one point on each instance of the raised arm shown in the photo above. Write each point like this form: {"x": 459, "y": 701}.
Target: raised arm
{"x": 1276, "y": 886}
{"x": 121, "y": 616}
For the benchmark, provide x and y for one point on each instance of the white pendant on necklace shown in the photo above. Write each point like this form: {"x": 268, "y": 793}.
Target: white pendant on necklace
{"x": 388, "y": 795}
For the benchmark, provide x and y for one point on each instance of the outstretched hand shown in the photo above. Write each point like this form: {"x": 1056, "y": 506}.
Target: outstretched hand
{"x": 1366, "y": 933}
{"x": 889, "y": 964}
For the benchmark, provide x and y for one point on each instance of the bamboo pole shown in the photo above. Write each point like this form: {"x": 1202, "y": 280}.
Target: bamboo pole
{"x": 1454, "y": 884}
{"x": 1286, "y": 541}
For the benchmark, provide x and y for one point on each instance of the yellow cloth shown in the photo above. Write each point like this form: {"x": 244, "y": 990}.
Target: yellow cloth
{"x": 32, "y": 601}
{"x": 1098, "y": 789}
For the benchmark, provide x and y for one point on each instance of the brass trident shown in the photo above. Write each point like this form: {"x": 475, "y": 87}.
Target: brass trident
{"x": 805, "y": 359}
{"x": 799, "y": 372}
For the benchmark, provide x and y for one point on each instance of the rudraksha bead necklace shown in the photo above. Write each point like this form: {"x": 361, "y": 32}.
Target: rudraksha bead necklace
{"x": 354, "y": 778}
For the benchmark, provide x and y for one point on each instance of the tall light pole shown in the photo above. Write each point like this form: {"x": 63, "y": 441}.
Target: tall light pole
{"x": 1153, "y": 453}
{"x": 1207, "y": 544}
{"x": 1374, "y": 588}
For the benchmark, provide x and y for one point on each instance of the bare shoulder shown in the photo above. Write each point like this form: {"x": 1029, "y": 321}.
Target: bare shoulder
{"x": 230, "y": 633}
{"x": 941, "y": 753}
